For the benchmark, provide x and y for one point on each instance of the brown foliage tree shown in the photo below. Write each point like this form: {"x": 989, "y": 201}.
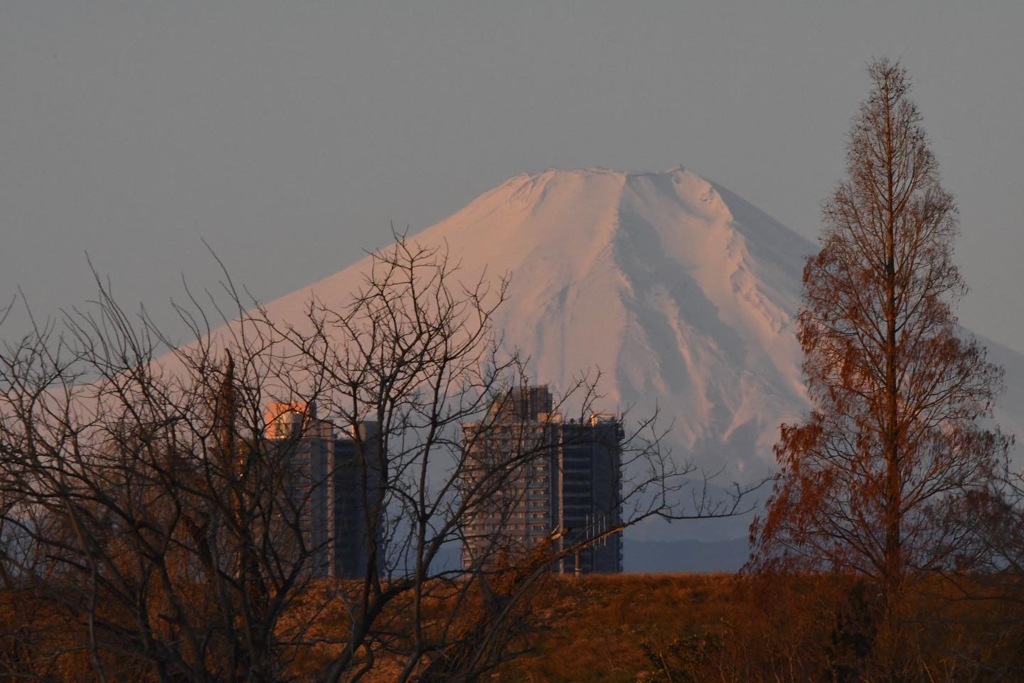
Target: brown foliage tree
{"x": 898, "y": 391}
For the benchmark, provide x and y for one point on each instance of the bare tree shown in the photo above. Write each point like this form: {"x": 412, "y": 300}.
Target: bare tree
{"x": 146, "y": 513}
{"x": 898, "y": 390}
{"x": 989, "y": 527}
{"x": 145, "y": 509}
{"x": 415, "y": 353}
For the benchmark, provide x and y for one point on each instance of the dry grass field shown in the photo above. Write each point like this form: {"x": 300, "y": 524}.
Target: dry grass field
{"x": 645, "y": 628}
{"x": 728, "y": 628}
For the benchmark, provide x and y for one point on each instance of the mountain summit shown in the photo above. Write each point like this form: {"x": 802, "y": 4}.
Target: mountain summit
{"x": 677, "y": 290}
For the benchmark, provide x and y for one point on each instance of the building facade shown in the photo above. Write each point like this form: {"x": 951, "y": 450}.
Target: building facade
{"x": 335, "y": 481}
{"x": 537, "y": 480}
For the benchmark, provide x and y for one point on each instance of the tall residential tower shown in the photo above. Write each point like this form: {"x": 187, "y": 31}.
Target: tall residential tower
{"x": 335, "y": 481}
{"x": 540, "y": 479}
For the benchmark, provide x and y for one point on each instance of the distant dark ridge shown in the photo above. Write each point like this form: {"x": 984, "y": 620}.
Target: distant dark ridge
{"x": 685, "y": 556}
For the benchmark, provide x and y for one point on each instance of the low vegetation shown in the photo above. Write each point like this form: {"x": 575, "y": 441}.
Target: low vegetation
{"x": 626, "y": 628}
{"x": 674, "y": 628}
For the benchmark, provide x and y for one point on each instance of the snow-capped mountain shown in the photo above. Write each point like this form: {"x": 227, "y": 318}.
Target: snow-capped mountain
{"x": 680, "y": 292}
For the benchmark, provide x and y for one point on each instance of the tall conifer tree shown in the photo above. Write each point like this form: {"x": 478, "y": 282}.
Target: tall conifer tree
{"x": 894, "y": 437}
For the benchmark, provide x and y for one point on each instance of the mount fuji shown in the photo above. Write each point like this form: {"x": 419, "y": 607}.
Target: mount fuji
{"x": 680, "y": 292}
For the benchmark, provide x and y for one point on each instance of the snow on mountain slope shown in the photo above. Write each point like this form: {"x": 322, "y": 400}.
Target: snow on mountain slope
{"x": 680, "y": 292}
{"x": 1008, "y": 413}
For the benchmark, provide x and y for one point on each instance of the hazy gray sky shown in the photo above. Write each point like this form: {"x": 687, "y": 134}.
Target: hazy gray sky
{"x": 289, "y": 135}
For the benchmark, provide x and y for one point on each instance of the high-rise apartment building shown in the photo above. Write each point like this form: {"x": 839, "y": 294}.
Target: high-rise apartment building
{"x": 335, "y": 481}
{"x": 558, "y": 482}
